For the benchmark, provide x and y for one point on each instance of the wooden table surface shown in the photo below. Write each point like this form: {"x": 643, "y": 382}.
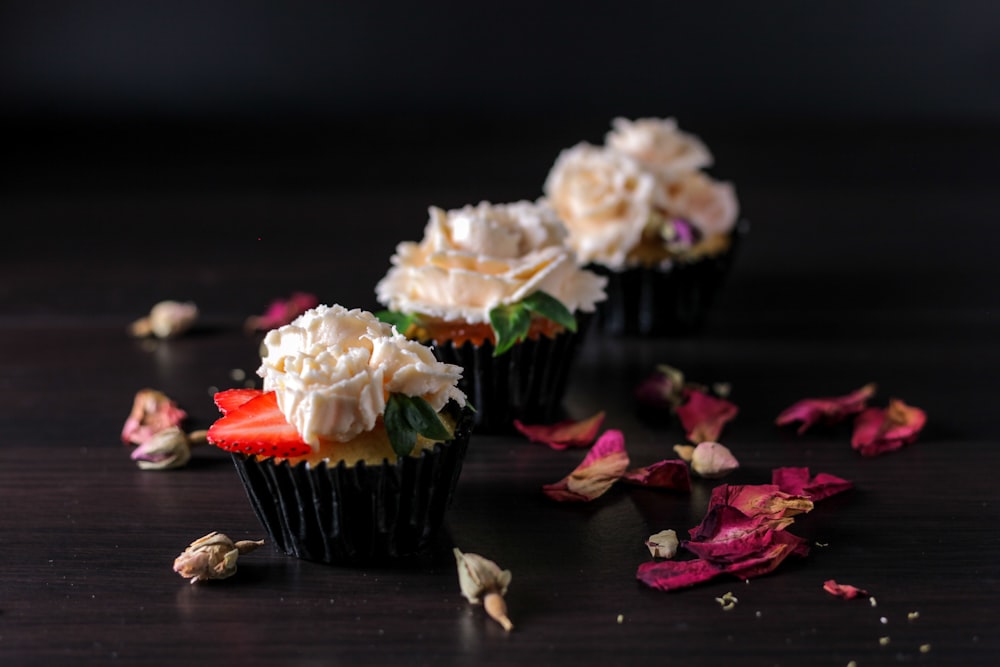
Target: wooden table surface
{"x": 872, "y": 257}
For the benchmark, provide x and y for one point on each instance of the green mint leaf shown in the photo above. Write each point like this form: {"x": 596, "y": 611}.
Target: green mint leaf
{"x": 423, "y": 418}
{"x": 402, "y": 436}
{"x": 405, "y": 417}
{"x": 551, "y": 308}
{"x": 401, "y": 321}
{"x": 510, "y": 324}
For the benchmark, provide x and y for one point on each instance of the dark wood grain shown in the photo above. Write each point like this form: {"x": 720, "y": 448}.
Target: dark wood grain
{"x": 851, "y": 273}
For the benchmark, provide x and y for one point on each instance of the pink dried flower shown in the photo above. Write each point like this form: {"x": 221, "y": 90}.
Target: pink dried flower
{"x": 829, "y": 410}
{"x": 878, "y": 430}
{"x": 152, "y": 412}
{"x": 604, "y": 465}
{"x": 281, "y": 311}
{"x": 565, "y": 434}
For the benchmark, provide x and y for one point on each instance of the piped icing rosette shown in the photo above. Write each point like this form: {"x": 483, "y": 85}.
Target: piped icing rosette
{"x": 475, "y": 259}
{"x": 333, "y": 371}
{"x": 642, "y": 198}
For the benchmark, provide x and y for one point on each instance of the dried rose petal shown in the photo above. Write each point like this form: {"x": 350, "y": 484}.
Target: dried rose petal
{"x": 482, "y": 581}
{"x": 845, "y": 591}
{"x": 829, "y": 410}
{"x": 726, "y": 535}
{"x": 703, "y": 416}
{"x": 565, "y": 434}
{"x": 663, "y": 389}
{"x": 668, "y": 575}
{"x": 766, "y": 500}
{"x": 152, "y": 412}
{"x": 877, "y": 430}
{"x": 798, "y": 482}
{"x": 669, "y": 474}
{"x": 604, "y": 465}
{"x": 280, "y": 312}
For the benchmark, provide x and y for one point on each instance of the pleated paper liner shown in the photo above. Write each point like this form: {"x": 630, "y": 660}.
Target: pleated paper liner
{"x": 358, "y": 514}
{"x": 655, "y": 302}
{"x": 527, "y": 382}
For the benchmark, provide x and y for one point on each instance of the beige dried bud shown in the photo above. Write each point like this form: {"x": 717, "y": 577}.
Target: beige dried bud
{"x": 712, "y": 460}
{"x": 166, "y": 449}
{"x": 663, "y": 544}
{"x": 482, "y": 580}
{"x": 212, "y": 557}
{"x": 167, "y": 319}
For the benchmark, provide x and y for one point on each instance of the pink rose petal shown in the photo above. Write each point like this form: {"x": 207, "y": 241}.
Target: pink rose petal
{"x": 797, "y": 481}
{"x": 565, "y": 434}
{"x": 829, "y": 410}
{"x": 604, "y": 465}
{"x": 878, "y": 431}
{"x": 669, "y": 474}
{"x": 845, "y": 591}
{"x": 282, "y": 311}
{"x": 703, "y": 416}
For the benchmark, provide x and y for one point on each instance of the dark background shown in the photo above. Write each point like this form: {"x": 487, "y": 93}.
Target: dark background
{"x": 175, "y": 132}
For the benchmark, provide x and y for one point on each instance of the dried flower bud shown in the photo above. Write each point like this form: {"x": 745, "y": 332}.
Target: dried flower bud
{"x": 212, "y": 557}
{"x": 712, "y": 460}
{"x": 167, "y": 319}
{"x": 663, "y": 544}
{"x": 169, "y": 448}
{"x": 152, "y": 412}
{"x": 482, "y": 580}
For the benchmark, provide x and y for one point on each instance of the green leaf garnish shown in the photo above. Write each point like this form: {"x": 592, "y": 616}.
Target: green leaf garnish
{"x": 511, "y": 322}
{"x": 550, "y": 307}
{"x": 401, "y": 321}
{"x": 405, "y": 417}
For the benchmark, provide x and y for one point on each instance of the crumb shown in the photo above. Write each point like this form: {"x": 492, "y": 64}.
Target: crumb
{"x": 621, "y": 619}
{"x": 913, "y": 615}
{"x": 925, "y": 648}
{"x": 883, "y": 641}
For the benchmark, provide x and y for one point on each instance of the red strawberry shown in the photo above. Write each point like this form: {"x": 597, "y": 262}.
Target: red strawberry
{"x": 230, "y": 399}
{"x": 257, "y": 427}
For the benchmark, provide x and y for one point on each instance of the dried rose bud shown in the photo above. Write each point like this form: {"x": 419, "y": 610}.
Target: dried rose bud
{"x": 482, "y": 580}
{"x": 167, "y": 319}
{"x": 152, "y": 412}
{"x": 169, "y": 448}
{"x": 212, "y": 557}
{"x": 712, "y": 460}
{"x": 663, "y": 544}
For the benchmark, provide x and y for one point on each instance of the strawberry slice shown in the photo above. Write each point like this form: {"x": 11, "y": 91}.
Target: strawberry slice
{"x": 257, "y": 427}
{"x": 230, "y": 399}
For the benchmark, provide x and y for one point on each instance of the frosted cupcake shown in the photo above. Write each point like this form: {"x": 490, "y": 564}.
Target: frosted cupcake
{"x": 351, "y": 451}
{"x": 495, "y": 289}
{"x": 641, "y": 210}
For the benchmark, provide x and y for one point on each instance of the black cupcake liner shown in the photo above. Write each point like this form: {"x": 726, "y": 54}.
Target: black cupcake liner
{"x": 527, "y": 382}
{"x": 359, "y": 514}
{"x": 668, "y": 302}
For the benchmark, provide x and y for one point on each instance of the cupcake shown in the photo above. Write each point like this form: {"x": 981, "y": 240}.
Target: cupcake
{"x": 642, "y": 211}
{"x": 494, "y": 289}
{"x": 351, "y": 451}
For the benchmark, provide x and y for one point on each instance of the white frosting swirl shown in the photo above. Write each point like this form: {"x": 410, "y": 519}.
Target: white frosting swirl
{"x": 332, "y": 370}
{"x": 615, "y": 200}
{"x": 659, "y": 145}
{"x": 604, "y": 198}
{"x": 473, "y": 259}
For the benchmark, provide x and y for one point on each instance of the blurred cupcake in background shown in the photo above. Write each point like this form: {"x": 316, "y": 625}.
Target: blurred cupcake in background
{"x": 642, "y": 211}
{"x": 495, "y": 289}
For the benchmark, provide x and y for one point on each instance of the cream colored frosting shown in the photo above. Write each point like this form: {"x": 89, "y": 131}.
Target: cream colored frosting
{"x": 659, "y": 145}
{"x": 333, "y": 369}
{"x": 475, "y": 258}
{"x": 604, "y": 198}
{"x": 629, "y": 191}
